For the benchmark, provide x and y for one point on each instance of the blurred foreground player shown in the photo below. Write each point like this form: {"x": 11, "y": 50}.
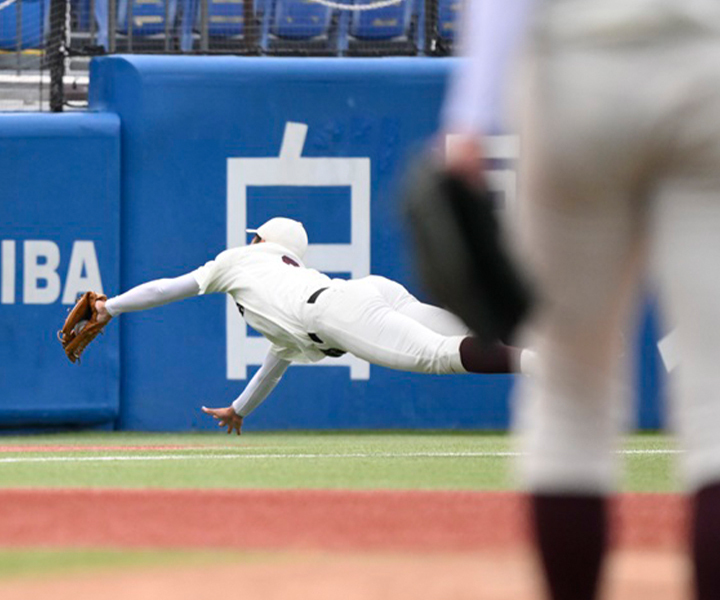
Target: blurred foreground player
{"x": 307, "y": 316}
{"x": 620, "y": 124}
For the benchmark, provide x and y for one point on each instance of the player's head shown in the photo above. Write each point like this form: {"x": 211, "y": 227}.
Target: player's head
{"x": 288, "y": 233}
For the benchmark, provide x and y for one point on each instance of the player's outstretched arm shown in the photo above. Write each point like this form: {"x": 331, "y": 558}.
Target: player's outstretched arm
{"x": 152, "y": 294}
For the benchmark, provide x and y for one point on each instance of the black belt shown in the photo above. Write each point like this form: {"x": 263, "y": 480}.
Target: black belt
{"x": 333, "y": 352}
{"x": 314, "y": 296}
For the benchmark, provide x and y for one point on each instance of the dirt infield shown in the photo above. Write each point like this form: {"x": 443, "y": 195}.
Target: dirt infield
{"x": 372, "y": 545}
{"x": 316, "y": 519}
{"x": 352, "y": 576}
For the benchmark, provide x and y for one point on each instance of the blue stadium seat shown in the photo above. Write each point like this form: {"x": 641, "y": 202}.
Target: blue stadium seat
{"x": 447, "y": 22}
{"x": 299, "y": 19}
{"x": 226, "y": 18}
{"x": 381, "y": 23}
{"x": 35, "y": 21}
{"x": 81, "y": 23}
{"x": 80, "y": 11}
{"x": 226, "y": 26}
{"x": 298, "y": 27}
{"x": 190, "y": 9}
{"x": 386, "y": 30}
{"x": 148, "y": 17}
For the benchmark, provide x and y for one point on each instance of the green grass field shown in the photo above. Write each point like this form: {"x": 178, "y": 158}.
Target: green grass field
{"x": 359, "y": 460}
{"x": 442, "y": 460}
{"x": 68, "y": 561}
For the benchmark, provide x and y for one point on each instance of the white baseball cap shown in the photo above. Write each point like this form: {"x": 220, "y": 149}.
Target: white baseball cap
{"x": 288, "y": 233}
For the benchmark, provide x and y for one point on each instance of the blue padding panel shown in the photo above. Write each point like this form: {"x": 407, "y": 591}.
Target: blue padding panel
{"x": 59, "y": 234}
{"x": 327, "y": 220}
{"x": 300, "y": 19}
{"x": 202, "y": 139}
{"x": 651, "y": 371}
{"x": 175, "y": 213}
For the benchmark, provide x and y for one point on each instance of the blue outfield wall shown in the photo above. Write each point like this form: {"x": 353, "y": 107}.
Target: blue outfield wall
{"x": 210, "y": 145}
{"x": 59, "y": 234}
{"x": 195, "y": 131}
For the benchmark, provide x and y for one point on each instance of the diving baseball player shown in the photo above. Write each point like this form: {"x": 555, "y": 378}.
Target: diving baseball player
{"x": 307, "y": 316}
{"x": 620, "y": 132}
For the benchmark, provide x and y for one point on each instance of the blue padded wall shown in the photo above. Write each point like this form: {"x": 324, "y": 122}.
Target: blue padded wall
{"x": 59, "y": 234}
{"x": 211, "y": 144}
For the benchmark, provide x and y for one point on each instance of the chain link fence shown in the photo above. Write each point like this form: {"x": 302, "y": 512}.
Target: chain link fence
{"x": 46, "y": 45}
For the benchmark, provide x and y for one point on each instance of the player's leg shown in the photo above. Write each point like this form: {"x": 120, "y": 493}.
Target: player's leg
{"x": 583, "y": 246}
{"x": 433, "y": 317}
{"x": 687, "y": 250}
{"x": 688, "y": 247}
{"x": 572, "y": 409}
{"x": 358, "y": 319}
{"x": 476, "y": 357}
{"x": 706, "y": 540}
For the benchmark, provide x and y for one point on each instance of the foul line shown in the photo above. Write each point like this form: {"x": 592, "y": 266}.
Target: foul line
{"x": 161, "y": 457}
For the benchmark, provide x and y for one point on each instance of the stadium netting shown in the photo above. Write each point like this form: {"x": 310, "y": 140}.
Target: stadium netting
{"x": 46, "y": 45}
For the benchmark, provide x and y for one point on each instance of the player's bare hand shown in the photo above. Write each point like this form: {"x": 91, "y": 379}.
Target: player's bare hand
{"x": 465, "y": 158}
{"x": 103, "y": 316}
{"x": 226, "y": 417}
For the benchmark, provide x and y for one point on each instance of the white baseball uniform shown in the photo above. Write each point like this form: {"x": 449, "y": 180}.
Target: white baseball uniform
{"x": 620, "y": 128}
{"x": 308, "y": 316}
{"x": 620, "y": 185}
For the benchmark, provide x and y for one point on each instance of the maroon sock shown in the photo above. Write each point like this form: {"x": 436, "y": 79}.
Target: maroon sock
{"x": 706, "y": 542}
{"x": 477, "y": 357}
{"x": 571, "y": 534}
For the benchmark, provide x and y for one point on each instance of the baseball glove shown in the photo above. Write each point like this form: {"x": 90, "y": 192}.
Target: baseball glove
{"x": 81, "y": 326}
{"x": 460, "y": 253}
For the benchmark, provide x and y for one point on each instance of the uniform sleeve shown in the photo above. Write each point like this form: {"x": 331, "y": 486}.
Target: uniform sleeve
{"x": 212, "y": 276}
{"x": 205, "y": 276}
{"x": 152, "y": 294}
{"x": 489, "y": 38}
{"x": 260, "y": 386}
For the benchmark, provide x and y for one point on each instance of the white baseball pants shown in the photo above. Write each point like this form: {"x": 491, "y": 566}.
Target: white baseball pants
{"x": 622, "y": 181}
{"x": 378, "y": 320}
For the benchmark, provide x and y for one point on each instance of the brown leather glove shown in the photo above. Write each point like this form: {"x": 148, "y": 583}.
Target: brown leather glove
{"x": 81, "y": 326}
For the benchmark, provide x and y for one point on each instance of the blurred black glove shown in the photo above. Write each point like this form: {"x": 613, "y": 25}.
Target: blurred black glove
{"x": 460, "y": 252}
